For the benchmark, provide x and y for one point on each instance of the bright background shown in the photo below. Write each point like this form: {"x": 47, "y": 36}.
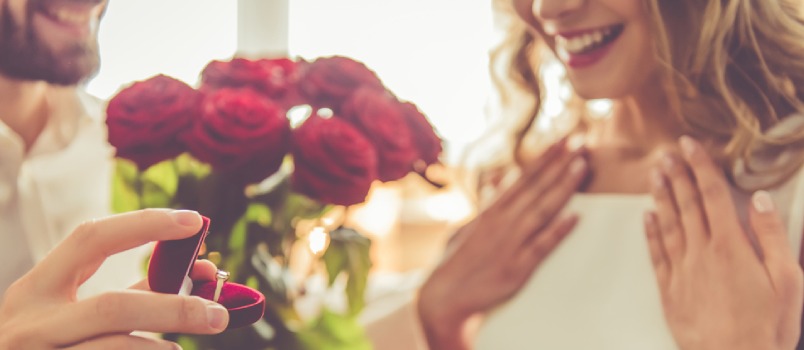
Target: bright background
{"x": 142, "y": 38}
{"x": 433, "y": 53}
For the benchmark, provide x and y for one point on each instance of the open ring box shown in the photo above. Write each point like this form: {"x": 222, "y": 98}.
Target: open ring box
{"x": 169, "y": 271}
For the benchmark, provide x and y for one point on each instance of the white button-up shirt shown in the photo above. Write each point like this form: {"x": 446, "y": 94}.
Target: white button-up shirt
{"x": 62, "y": 181}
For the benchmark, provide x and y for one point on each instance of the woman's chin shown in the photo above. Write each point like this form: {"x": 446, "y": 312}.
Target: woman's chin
{"x": 593, "y": 95}
{"x": 598, "y": 91}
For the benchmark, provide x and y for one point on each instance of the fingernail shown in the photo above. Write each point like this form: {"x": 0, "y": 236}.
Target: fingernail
{"x": 577, "y": 166}
{"x": 667, "y": 162}
{"x": 657, "y": 179}
{"x": 648, "y": 217}
{"x": 575, "y": 142}
{"x": 175, "y": 346}
{"x": 687, "y": 145}
{"x": 762, "y": 202}
{"x": 186, "y": 217}
{"x": 216, "y": 316}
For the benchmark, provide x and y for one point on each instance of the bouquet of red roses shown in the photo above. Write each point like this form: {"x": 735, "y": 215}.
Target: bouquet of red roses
{"x": 257, "y": 147}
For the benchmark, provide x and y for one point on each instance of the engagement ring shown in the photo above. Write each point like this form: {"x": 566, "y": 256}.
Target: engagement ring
{"x": 221, "y": 276}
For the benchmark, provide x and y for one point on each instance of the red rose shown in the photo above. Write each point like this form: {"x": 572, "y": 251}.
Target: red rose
{"x": 276, "y": 78}
{"x": 240, "y": 132}
{"x": 327, "y": 82}
{"x": 380, "y": 117}
{"x": 424, "y": 136}
{"x": 146, "y": 118}
{"x": 334, "y": 162}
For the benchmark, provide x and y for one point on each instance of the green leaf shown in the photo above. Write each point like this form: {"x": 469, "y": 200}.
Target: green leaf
{"x": 238, "y": 235}
{"x": 188, "y": 165}
{"x": 124, "y": 195}
{"x": 349, "y": 253}
{"x": 332, "y": 331}
{"x": 154, "y": 197}
{"x": 335, "y": 261}
{"x": 253, "y": 282}
{"x": 187, "y": 343}
{"x": 163, "y": 176}
{"x": 127, "y": 170}
{"x": 255, "y": 213}
{"x": 303, "y": 207}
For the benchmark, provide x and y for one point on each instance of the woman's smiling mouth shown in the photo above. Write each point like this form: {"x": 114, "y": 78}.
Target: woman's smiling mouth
{"x": 583, "y": 48}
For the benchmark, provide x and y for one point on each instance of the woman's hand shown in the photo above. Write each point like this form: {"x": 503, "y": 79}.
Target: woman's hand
{"x": 718, "y": 291}
{"x": 40, "y": 311}
{"x": 493, "y": 256}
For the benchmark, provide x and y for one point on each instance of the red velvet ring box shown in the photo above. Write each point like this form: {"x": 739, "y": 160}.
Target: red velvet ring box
{"x": 170, "y": 266}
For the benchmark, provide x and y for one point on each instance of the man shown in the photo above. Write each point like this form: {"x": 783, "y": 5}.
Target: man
{"x": 55, "y": 163}
{"x": 55, "y": 167}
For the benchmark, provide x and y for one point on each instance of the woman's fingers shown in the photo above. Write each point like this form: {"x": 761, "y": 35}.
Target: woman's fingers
{"x": 767, "y": 225}
{"x": 772, "y": 237}
{"x": 661, "y": 264}
{"x": 535, "y": 251}
{"x": 533, "y": 172}
{"x": 504, "y": 243}
{"x": 534, "y": 214}
{"x": 564, "y": 174}
{"x": 126, "y": 311}
{"x": 555, "y": 150}
{"x": 687, "y": 202}
{"x": 714, "y": 189}
{"x": 721, "y": 292}
{"x": 528, "y": 205}
{"x": 667, "y": 219}
{"x": 122, "y": 341}
{"x": 82, "y": 252}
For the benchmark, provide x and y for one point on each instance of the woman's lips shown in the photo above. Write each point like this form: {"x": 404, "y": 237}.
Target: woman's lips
{"x": 586, "y": 59}
{"x": 588, "y": 47}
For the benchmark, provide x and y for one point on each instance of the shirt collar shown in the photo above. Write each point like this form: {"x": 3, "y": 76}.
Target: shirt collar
{"x": 71, "y": 109}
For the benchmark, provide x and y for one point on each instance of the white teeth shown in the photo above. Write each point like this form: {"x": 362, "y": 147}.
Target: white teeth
{"x": 581, "y": 43}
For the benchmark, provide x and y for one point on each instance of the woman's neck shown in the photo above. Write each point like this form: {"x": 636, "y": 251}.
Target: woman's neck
{"x": 628, "y": 143}
{"x": 637, "y": 125}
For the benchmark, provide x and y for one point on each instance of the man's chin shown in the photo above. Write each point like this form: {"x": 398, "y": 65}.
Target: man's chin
{"x": 64, "y": 71}
{"x": 51, "y": 77}
{"x": 71, "y": 77}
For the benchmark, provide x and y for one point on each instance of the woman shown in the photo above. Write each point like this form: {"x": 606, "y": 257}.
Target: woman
{"x": 703, "y": 137}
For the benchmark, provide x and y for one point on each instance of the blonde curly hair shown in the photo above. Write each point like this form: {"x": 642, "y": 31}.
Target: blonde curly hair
{"x": 732, "y": 70}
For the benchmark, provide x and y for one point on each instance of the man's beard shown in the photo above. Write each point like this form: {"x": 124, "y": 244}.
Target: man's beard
{"x": 25, "y": 56}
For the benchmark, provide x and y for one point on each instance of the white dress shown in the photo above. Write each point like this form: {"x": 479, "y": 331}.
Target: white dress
{"x": 597, "y": 290}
